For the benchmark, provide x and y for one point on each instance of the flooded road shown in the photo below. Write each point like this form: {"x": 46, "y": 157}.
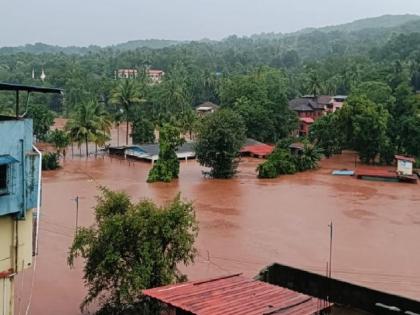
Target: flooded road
{"x": 245, "y": 224}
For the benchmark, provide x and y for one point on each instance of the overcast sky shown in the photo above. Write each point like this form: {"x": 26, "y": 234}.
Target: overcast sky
{"x": 105, "y": 22}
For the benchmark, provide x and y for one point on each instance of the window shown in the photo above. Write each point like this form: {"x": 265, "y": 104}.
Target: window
{"x": 3, "y": 179}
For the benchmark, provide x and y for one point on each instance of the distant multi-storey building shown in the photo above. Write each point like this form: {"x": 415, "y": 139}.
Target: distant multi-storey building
{"x": 126, "y": 73}
{"x": 154, "y": 75}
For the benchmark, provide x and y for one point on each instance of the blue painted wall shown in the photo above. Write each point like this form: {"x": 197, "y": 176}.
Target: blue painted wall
{"x": 16, "y": 139}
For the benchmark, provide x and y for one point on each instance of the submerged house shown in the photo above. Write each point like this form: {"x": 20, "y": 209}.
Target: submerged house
{"x": 256, "y": 149}
{"x": 308, "y": 110}
{"x": 150, "y": 152}
{"x": 404, "y": 165}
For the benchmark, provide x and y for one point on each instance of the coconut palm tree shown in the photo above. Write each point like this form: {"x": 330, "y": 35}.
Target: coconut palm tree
{"x": 126, "y": 94}
{"x": 87, "y": 122}
{"x": 314, "y": 84}
{"x": 310, "y": 157}
{"x": 104, "y": 124}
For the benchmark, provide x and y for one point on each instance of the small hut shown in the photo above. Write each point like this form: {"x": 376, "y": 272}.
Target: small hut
{"x": 404, "y": 165}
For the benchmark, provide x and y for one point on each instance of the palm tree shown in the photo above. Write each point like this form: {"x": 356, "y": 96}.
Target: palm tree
{"x": 86, "y": 122}
{"x": 310, "y": 157}
{"x": 104, "y": 124}
{"x": 126, "y": 94}
{"x": 314, "y": 84}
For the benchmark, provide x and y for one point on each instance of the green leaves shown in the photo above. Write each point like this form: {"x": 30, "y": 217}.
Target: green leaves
{"x": 325, "y": 134}
{"x": 89, "y": 122}
{"x": 133, "y": 246}
{"x": 166, "y": 167}
{"x": 219, "y": 140}
{"x": 43, "y": 119}
{"x": 282, "y": 161}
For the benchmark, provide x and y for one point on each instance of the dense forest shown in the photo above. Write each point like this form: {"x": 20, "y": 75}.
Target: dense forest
{"x": 374, "y": 61}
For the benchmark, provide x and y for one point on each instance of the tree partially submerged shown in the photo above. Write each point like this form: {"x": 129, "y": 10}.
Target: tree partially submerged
{"x": 167, "y": 166}
{"x": 219, "y": 140}
{"x": 282, "y": 161}
{"x": 133, "y": 246}
{"x": 325, "y": 134}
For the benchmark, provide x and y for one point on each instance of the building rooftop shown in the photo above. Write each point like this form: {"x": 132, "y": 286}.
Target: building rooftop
{"x": 28, "y": 88}
{"x": 236, "y": 294}
{"x": 405, "y": 158}
{"x": 207, "y": 106}
{"x": 305, "y": 104}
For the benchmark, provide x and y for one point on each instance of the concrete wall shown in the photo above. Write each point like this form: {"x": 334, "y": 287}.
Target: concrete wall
{"x": 340, "y": 292}
{"x": 13, "y": 259}
{"x": 6, "y": 295}
{"x": 23, "y": 176}
{"x": 16, "y": 214}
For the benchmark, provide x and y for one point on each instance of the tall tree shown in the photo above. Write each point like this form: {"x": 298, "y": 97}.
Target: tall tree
{"x": 166, "y": 167}
{"x": 325, "y": 134}
{"x": 219, "y": 139}
{"x": 365, "y": 124}
{"x": 126, "y": 95}
{"x": 87, "y": 122}
{"x": 133, "y": 246}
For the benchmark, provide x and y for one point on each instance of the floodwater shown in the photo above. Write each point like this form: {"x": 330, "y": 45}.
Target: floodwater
{"x": 245, "y": 224}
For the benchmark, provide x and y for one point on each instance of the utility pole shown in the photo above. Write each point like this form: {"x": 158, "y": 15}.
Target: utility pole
{"x": 77, "y": 211}
{"x": 331, "y": 241}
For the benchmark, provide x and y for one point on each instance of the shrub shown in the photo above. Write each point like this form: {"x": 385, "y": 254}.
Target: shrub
{"x": 50, "y": 161}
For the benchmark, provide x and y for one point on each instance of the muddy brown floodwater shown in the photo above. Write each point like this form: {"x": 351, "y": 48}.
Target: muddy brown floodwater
{"x": 245, "y": 224}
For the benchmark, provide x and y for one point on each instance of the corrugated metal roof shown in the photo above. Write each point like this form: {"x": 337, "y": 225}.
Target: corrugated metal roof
{"x": 236, "y": 295}
{"x": 28, "y": 88}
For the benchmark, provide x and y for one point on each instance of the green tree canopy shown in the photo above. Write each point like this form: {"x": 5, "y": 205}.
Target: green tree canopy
{"x": 133, "y": 246}
{"x": 219, "y": 139}
{"x": 166, "y": 167}
{"x": 325, "y": 134}
{"x": 127, "y": 94}
{"x": 60, "y": 139}
{"x": 365, "y": 124}
{"x": 43, "y": 119}
{"x": 89, "y": 122}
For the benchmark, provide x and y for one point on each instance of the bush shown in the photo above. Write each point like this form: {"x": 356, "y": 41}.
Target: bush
{"x": 50, "y": 161}
{"x": 282, "y": 161}
{"x": 267, "y": 170}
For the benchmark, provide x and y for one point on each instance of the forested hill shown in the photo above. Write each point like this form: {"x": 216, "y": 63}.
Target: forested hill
{"x": 41, "y": 48}
{"x": 357, "y": 34}
{"x": 385, "y": 21}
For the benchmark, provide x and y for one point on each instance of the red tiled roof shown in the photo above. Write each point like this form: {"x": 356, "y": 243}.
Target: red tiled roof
{"x": 405, "y": 158}
{"x": 258, "y": 149}
{"x": 307, "y": 120}
{"x": 236, "y": 295}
